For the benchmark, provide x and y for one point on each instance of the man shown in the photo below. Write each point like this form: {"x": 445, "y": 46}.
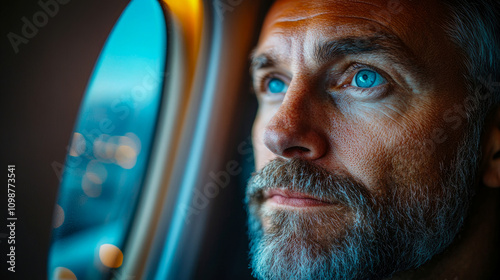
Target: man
{"x": 376, "y": 141}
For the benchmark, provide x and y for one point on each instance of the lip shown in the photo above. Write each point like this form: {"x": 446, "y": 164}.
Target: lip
{"x": 293, "y": 198}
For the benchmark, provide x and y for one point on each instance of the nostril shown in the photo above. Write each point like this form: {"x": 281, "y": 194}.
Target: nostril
{"x": 295, "y": 150}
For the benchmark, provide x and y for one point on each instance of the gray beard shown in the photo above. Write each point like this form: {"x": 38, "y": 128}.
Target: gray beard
{"x": 383, "y": 235}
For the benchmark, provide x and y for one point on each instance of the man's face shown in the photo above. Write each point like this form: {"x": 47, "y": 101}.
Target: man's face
{"x": 360, "y": 140}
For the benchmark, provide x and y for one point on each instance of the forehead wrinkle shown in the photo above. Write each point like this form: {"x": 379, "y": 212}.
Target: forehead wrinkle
{"x": 304, "y": 10}
{"x": 265, "y": 56}
{"x": 304, "y": 51}
{"x": 299, "y": 18}
{"x": 304, "y": 47}
{"x": 380, "y": 42}
{"x": 298, "y": 11}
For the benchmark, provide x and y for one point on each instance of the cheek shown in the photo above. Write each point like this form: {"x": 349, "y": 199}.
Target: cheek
{"x": 363, "y": 154}
{"x": 405, "y": 151}
{"x": 407, "y": 156}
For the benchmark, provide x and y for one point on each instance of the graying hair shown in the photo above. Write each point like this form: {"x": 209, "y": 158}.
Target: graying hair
{"x": 474, "y": 28}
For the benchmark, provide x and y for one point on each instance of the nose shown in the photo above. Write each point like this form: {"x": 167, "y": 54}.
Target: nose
{"x": 297, "y": 129}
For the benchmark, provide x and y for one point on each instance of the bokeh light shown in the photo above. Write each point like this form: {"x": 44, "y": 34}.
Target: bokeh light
{"x": 99, "y": 147}
{"x": 78, "y": 145}
{"x": 125, "y": 156}
{"x": 62, "y": 273}
{"x": 96, "y": 171}
{"x": 110, "y": 256}
{"x": 58, "y": 218}
{"x": 90, "y": 187}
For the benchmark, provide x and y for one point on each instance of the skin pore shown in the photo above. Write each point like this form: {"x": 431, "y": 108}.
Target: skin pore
{"x": 358, "y": 88}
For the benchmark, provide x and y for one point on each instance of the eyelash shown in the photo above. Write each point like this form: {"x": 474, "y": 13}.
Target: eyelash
{"x": 351, "y": 70}
{"x": 262, "y": 81}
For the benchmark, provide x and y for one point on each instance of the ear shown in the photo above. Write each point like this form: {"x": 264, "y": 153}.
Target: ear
{"x": 491, "y": 151}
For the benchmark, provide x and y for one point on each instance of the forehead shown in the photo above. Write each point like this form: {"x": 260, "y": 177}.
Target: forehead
{"x": 293, "y": 27}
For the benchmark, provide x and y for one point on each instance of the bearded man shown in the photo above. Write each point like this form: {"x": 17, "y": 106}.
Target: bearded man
{"x": 377, "y": 141}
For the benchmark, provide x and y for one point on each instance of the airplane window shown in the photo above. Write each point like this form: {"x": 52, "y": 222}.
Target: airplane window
{"x": 110, "y": 147}
{"x": 154, "y": 181}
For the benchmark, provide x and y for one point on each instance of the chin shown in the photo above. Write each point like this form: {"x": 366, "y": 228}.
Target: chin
{"x": 305, "y": 243}
{"x": 314, "y": 224}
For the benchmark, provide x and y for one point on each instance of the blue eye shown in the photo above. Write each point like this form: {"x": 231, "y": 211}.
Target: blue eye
{"x": 367, "y": 79}
{"x": 276, "y": 85}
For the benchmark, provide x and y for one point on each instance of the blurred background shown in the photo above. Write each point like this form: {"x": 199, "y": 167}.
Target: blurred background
{"x": 111, "y": 188}
{"x": 42, "y": 87}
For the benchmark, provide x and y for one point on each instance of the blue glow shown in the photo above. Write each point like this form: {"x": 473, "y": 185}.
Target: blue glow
{"x": 105, "y": 167}
{"x": 277, "y": 86}
{"x": 128, "y": 56}
{"x": 367, "y": 78}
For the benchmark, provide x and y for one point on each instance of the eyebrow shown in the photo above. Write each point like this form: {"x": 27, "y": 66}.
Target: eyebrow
{"x": 356, "y": 45}
{"x": 261, "y": 61}
{"x": 384, "y": 44}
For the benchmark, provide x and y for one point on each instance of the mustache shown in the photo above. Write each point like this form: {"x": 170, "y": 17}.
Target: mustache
{"x": 303, "y": 176}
